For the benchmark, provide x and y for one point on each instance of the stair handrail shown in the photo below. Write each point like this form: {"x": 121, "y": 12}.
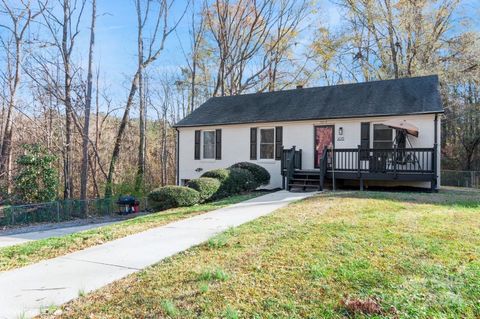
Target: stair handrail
{"x": 298, "y": 159}
{"x": 290, "y": 165}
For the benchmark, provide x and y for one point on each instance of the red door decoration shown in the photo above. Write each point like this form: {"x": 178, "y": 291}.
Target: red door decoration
{"x": 323, "y": 137}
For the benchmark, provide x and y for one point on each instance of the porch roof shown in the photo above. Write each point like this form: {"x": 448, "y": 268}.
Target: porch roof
{"x": 417, "y": 95}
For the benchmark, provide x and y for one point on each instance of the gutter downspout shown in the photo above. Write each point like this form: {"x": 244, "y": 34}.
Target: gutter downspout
{"x": 177, "y": 158}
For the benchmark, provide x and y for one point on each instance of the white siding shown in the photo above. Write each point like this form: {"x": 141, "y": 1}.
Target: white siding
{"x": 236, "y": 142}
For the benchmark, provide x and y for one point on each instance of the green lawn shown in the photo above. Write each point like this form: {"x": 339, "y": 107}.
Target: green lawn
{"x": 32, "y": 252}
{"x": 352, "y": 254}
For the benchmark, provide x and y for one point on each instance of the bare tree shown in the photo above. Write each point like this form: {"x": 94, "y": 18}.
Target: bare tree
{"x": 88, "y": 103}
{"x": 162, "y": 28}
{"x": 20, "y": 17}
{"x": 64, "y": 32}
{"x": 392, "y": 41}
{"x": 251, "y": 39}
{"x": 141, "y": 97}
{"x": 197, "y": 38}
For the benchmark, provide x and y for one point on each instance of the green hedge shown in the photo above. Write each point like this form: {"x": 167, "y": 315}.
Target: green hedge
{"x": 173, "y": 196}
{"x": 221, "y": 174}
{"x": 206, "y": 186}
{"x": 261, "y": 175}
{"x": 234, "y": 181}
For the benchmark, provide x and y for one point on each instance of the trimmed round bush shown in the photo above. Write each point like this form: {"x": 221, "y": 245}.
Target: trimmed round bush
{"x": 261, "y": 175}
{"x": 205, "y": 186}
{"x": 239, "y": 180}
{"x": 173, "y": 196}
{"x": 221, "y": 174}
{"x": 232, "y": 181}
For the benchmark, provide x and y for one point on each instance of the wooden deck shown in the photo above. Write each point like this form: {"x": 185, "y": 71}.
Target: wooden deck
{"x": 409, "y": 164}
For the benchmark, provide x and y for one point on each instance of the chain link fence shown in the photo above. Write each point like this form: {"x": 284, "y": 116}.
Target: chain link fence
{"x": 461, "y": 178}
{"x": 63, "y": 210}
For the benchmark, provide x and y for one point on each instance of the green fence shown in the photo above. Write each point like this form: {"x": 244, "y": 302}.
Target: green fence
{"x": 460, "y": 178}
{"x": 63, "y": 210}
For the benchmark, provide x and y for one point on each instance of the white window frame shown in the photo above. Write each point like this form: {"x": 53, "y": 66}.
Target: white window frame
{"x": 260, "y": 144}
{"x": 203, "y": 145}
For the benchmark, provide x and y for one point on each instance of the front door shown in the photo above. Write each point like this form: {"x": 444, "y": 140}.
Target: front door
{"x": 323, "y": 137}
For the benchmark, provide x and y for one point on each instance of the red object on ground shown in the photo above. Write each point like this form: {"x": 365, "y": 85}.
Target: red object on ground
{"x": 136, "y": 207}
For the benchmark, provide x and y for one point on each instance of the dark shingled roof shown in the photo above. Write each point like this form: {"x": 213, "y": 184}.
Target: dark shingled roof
{"x": 418, "y": 95}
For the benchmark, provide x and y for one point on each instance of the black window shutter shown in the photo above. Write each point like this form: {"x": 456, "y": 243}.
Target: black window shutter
{"x": 278, "y": 142}
{"x": 364, "y": 139}
{"x": 197, "y": 145}
{"x": 253, "y": 143}
{"x": 218, "y": 144}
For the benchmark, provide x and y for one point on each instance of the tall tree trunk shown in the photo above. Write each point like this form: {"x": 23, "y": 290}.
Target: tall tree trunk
{"x": 88, "y": 104}
{"x": 139, "y": 180}
{"x": 121, "y": 131}
{"x": 141, "y": 104}
{"x": 67, "y": 159}
{"x": 155, "y": 47}
{"x": 194, "y": 75}
{"x": 391, "y": 39}
{"x": 6, "y": 147}
{"x": 97, "y": 132}
{"x": 164, "y": 149}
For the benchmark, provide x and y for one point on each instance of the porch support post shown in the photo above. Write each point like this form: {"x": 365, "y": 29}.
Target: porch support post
{"x": 361, "y": 183}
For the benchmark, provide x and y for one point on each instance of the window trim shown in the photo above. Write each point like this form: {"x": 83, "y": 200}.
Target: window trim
{"x": 259, "y": 132}
{"x": 203, "y": 145}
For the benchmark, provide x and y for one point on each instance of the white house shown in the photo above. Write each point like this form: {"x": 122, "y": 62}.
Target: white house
{"x": 373, "y": 133}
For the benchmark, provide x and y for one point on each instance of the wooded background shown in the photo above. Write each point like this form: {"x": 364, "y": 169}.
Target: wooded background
{"x": 51, "y": 97}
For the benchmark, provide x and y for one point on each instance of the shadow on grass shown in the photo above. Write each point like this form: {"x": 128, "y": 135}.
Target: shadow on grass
{"x": 447, "y": 196}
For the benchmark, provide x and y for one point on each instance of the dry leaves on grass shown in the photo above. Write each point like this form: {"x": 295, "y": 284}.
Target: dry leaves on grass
{"x": 368, "y": 306}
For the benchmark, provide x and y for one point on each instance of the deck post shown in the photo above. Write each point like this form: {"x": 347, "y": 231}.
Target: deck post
{"x": 433, "y": 183}
{"x": 395, "y": 175}
{"x": 358, "y": 161}
{"x": 361, "y": 184}
{"x": 282, "y": 165}
{"x": 333, "y": 169}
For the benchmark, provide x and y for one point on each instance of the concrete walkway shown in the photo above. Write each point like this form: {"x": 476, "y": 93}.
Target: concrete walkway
{"x": 24, "y": 291}
{"x": 20, "y": 238}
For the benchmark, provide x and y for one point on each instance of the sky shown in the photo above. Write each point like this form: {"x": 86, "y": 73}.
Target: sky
{"x": 116, "y": 36}
{"x": 116, "y": 40}
{"x": 115, "y": 47}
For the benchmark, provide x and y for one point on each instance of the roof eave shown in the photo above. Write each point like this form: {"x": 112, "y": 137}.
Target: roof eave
{"x": 307, "y": 119}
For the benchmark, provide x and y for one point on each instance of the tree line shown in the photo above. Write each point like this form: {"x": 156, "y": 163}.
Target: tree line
{"x": 52, "y": 99}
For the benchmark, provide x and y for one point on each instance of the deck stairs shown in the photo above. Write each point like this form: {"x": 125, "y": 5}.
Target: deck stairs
{"x": 305, "y": 180}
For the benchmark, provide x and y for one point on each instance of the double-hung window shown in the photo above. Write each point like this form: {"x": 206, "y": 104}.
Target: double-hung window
{"x": 209, "y": 144}
{"x": 267, "y": 143}
{"x": 382, "y": 136}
